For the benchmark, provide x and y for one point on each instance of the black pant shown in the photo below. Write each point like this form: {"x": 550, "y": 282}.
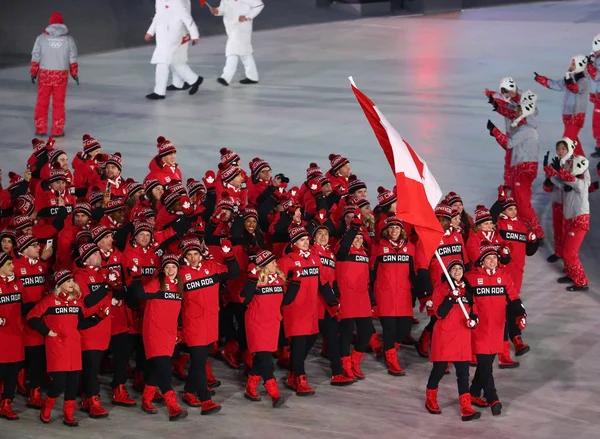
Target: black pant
{"x": 140, "y": 353}
{"x": 263, "y": 366}
{"x": 511, "y": 325}
{"x": 9, "y": 373}
{"x": 91, "y": 361}
{"x": 283, "y": 340}
{"x": 121, "y": 346}
{"x": 395, "y": 330}
{"x": 329, "y": 327}
{"x": 158, "y": 373}
{"x": 301, "y": 346}
{"x": 196, "y": 381}
{"x": 67, "y": 382}
{"x": 462, "y": 375}
{"x": 227, "y": 329}
{"x": 35, "y": 362}
{"x": 239, "y": 312}
{"x": 364, "y": 329}
{"x": 484, "y": 378}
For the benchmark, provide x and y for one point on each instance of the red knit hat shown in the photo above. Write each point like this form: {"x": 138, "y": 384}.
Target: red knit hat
{"x": 84, "y": 208}
{"x": 455, "y": 212}
{"x": 54, "y": 154}
{"x": 228, "y": 172}
{"x": 250, "y": 212}
{"x": 194, "y": 186}
{"x": 257, "y": 165}
{"x": 115, "y": 205}
{"x": 385, "y": 197}
{"x": 228, "y": 157}
{"x": 313, "y": 170}
{"x": 482, "y": 214}
{"x": 452, "y": 198}
{"x": 99, "y": 232}
{"x": 170, "y": 198}
{"x": 141, "y": 226}
{"x": 145, "y": 214}
{"x": 165, "y": 147}
{"x": 14, "y": 180}
{"x": 442, "y": 210}
{"x": 149, "y": 185}
{"x": 132, "y": 187}
{"x": 393, "y": 221}
{"x": 87, "y": 250}
{"x": 264, "y": 258}
{"x": 56, "y": 18}
{"x": 486, "y": 251}
{"x": 115, "y": 159}
{"x": 61, "y": 276}
{"x": 90, "y": 144}
{"x": 83, "y": 237}
{"x": 20, "y": 222}
{"x": 57, "y": 173}
{"x": 354, "y": 184}
{"x": 169, "y": 259}
{"x": 508, "y": 203}
{"x": 25, "y": 205}
{"x": 226, "y": 202}
{"x": 25, "y": 241}
{"x": 296, "y": 233}
{"x": 190, "y": 244}
{"x": 39, "y": 146}
{"x": 337, "y": 162}
{"x": 95, "y": 195}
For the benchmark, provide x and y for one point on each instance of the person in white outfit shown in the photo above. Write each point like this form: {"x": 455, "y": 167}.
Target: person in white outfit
{"x": 181, "y": 55}
{"x": 237, "y": 18}
{"x": 170, "y": 17}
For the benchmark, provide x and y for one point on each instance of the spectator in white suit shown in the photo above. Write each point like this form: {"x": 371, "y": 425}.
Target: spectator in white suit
{"x": 181, "y": 55}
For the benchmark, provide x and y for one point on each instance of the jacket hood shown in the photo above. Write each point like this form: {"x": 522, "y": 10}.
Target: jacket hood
{"x": 57, "y": 30}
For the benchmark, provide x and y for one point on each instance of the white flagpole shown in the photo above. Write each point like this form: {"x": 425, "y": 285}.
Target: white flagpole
{"x": 449, "y": 279}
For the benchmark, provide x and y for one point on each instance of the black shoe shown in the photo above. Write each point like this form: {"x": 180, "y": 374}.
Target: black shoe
{"x": 596, "y": 153}
{"x": 564, "y": 280}
{"x": 196, "y": 85}
{"x": 154, "y": 97}
{"x": 576, "y": 288}
{"x": 223, "y": 82}
{"x": 247, "y": 81}
{"x": 496, "y": 408}
{"x": 173, "y": 88}
{"x": 553, "y": 258}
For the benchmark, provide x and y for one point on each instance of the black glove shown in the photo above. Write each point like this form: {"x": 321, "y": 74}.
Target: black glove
{"x": 556, "y": 164}
{"x": 76, "y": 78}
{"x": 495, "y": 105}
{"x": 283, "y": 178}
{"x": 596, "y": 185}
{"x": 33, "y": 79}
{"x": 567, "y": 188}
{"x": 546, "y": 158}
{"x": 598, "y": 166}
{"x": 569, "y": 81}
{"x": 536, "y": 76}
{"x": 490, "y": 127}
{"x": 491, "y": 99}
{"x": 548, "y": 182}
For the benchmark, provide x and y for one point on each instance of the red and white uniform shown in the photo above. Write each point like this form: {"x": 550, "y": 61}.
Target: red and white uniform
{"x": 263, "y": 316}
{"x": 166, "y": 175}
{"x": 91, "y": 281}
{"x": 352, "y": 275}
{"x": 33, "y": 274}
{"x": 11, "y": 334}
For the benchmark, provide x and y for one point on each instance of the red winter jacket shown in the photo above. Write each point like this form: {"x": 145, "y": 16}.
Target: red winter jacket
{"x": 11, "y": 334}
{"x": 166, "y": 175}
{"x": 235, "y": 286}
{"x": 514, "y": 232}
{"x": 392, "y": 270}
{"x": 46, "y": 203}
{"x": 491, "y": 290}
{"x": 352, "y": 274}
{"x": 120, "y": 313}
{"x": 255, "y": 190}
{"x": 64, "y": 247}
{"x": 34, "y": 277}
{"x": 96, "y": 296}
{"x": 85, "y": 172}
{"x": 450, "y": 248}
{"x": 451, "y": 339}
{"x": 481, "y": 238}
{"x": 327, "y": 275}
{"x": 201, "y": 300}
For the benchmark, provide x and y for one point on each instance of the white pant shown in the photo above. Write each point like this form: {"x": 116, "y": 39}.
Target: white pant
{"x": 177, "y": 80}
{"x": 162, "y": 76}
{"x": 231, "y": 63}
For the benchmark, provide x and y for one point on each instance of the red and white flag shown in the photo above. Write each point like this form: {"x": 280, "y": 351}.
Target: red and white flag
{"x": 417, "y": 191}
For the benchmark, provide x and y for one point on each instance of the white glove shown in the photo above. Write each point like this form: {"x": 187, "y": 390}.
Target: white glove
{"x": 568, "y": 75}
{"x": 2, "y": 321}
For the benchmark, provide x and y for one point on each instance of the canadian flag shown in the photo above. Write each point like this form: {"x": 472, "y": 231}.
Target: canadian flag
{"x": 417, "y": 191}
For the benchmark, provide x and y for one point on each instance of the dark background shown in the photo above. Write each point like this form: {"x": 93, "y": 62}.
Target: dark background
{"x": 102, "y": 25}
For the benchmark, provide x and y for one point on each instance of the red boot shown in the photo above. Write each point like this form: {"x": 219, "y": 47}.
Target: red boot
{"x": 504, "y": 360}
{"x": 214, "y": 350}
{"x": 273, "y": 391}
{"x": 68, "y": 412}
{"x": 147, "y": 397}
{"x": 347, "y": 368}
{"x": 391, "y": 360}
{"x": 96, "y": 409}
{"x": 422, "y": 345}
{"x": 302, "y": 387}
{"x": 431, "y": 403}
{"x": 211, "y": 381}
{"x": 191, "y": 399}
{"x": 47, "y": 406}
{"x": 138, "y": 381}
{"x": 35, "y": 399}
{"x": 178, "y": 366}
{"x": 121, "y": 397}
{"x": 158, "y": 397}
{"x": 283, "y": 357}
{"x": 375, "y": 344}
{"x": 175, "y": 412}
{"x": 341, "y": 380}
{"x": 22, "y": 383}
{"x": 230, "y": 354}
{"x": 290, "y": 383}
{"x": 6, "y": 411}
{"x": 479, "y": 401}
{"x": 85, "y": 404}
{"x": 356, "y": 358}
{"x": 520, "y": 347}
{"x": 251, "y": 388}
{"x": 209, "y": 407}
{"x": 466, "y": 411}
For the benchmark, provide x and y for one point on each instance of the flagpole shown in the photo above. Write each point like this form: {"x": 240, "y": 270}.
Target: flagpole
{"x": 449, "y": 279}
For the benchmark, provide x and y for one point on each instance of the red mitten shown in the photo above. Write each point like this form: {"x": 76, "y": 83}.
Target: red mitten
{"x": 294, "y": 191}
{"x": 209, "y": 180}
{"x": 471, "y": 323}
{"x": 502, "y": 193}
{"x": 226, "y": 247}
{"x": 103, "y": 312}
{"x": 135, "y": 272}
{"x": 425, "y": 302}
{"x": 113, "y": 279}
{"x": 252, "y": 272}
{"x": 521, "y": 322}
{"x": 531, "y": 237}
{"x": 316, "y": 190}
{"x": 74, "y": 69}
{"x": 187, "y": 206}
{"x": 357, "y": 220}
{"x": 34, "y": 69}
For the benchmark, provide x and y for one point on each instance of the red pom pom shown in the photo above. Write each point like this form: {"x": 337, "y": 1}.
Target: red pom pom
{"x": 222, "y": 166}
{"x": 255, "y": 159}
{"x": 94, "y": 189}
{"x": 11, "y": 175}
{"x": 160, "y": 139}
{"x": 189, "y": 180}
{"x": 480, "y": 207}
{"x": 86, "y": 136}
{"x": 380, "y": 190}
{"x": 332, "y": 156}
{"x": 118, "y": 154}
{"x": 224, "y": 194}
{"x": 129, "y": 180}
{"x": 313, "y": 165}
{"x": 224, "y": 151}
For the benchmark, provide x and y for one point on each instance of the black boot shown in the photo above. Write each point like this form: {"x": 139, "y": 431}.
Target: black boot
{"x": 196, "y": 85}
{"x": 173, "y": 88}
{"x": 553, "y": 258}
{"x": 223, "y": 82}
{"x": 154, "y": 97}
{"x": 564, "y": 280}
{"x": 247, "y": 81}
{"x": 576, "y": 288}
{"x": 596, "y": 153}
{"x": 496, "y": 408}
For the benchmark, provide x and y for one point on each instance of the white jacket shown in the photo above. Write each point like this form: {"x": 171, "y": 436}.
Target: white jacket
{"x": 575, "y": 202}
{"x": 170, "y": 18}
{"x": 239, "y": 35}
